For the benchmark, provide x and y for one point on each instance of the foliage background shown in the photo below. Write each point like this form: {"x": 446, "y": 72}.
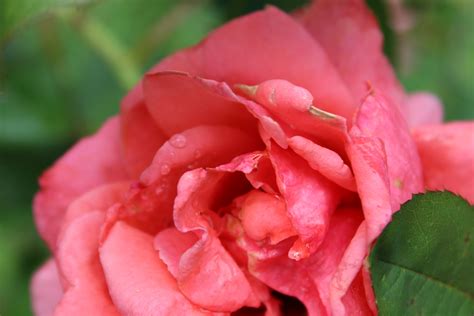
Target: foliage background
{"x": 65, "y": 65}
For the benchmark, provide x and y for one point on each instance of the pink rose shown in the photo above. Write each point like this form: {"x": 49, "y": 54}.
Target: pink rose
{"x": 266, "y": 159}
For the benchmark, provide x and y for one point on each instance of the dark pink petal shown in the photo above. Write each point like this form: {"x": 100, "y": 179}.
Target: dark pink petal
{"x": 78, "y": 261}
{"x": 138, "y": 281}
{"x": 355, "y": 300}
{"x": 215, "y": 97}
{"x": 257, "y": 168}
{"x": 94, "y": 161}
{"x": 423, "y": 108}
{"x": 447, "y": 156}
{"x": 325, "y": 161}
{"x": 351, "y": 38}
{"x": 309, "y": 279}
{"x": 141, "y": 137}
{"x": 177, "y": 102}
{"x": 225, "y": 56}
{"x": 310, "y": 200}
{"x": 46, "y": 290}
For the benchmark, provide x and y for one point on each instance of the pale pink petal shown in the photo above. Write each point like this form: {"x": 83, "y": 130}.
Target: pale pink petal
{"x": 447, "y": 156}
{"x": 351, "y": 37}
{"x": 46, "y": 289}
{"x": 78, "y": 261}
{"x": 422, "y": 108}
{"x": 138, "y": 281}
{"x": 94, "y": 161}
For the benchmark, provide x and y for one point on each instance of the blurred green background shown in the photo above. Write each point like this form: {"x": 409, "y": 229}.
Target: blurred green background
{"x": 65, "y": 65}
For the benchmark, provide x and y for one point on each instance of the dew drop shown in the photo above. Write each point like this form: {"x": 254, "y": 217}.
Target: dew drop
{"x": 178, "y": 141}
{"x": 160, "y": 189}
{"x": 165, "y": 169}
{"x": 197, "y": 154}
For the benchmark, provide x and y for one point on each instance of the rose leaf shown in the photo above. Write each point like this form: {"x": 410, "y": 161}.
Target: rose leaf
{"x": 423, "y": 263}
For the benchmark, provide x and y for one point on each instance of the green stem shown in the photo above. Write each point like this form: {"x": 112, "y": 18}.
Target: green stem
{"x": 108, "y": 48}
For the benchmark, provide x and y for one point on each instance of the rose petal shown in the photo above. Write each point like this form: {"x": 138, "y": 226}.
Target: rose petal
{"x": 208, "y": 276}
{"x": 264, "y": 216}
{"x": 138, "y": 281}
{"x": 325, "y": 161}
{"x": 224, "y": 56}
{"x": 149, "y": 204}
{"x": 177, "y": 103}
{"x": 309, "y": 279}
{"x": 141, "y": 137}
{"x": 46, "y": 289}
{"x": 423, "y": 108}
{"x": 199, "y": 146}
{"x": 78, "y": 261}
{"x": 310, "y": 199}
{"x": 257, "y": 168}
{"x": 77, "y": 252}
{"x": 387, "y": 171}
{"x": 377, "y": 119}
{"x": 171, "y": 244}
{"x": 98, "y": 199}
{"x": 93, "y": 161}
{"x": 294, "y": 106}
{"x": 347, "y": 270}
{"x": 215, "y": 97}
{"x": 447, "y": 156}
{"x": 355, "y": 27}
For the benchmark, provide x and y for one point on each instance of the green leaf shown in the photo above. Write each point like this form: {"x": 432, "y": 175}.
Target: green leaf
{"x": 422, "y": 264}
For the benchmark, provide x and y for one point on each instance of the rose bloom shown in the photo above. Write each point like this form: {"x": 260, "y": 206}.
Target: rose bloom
{"x": 260, "y": 164}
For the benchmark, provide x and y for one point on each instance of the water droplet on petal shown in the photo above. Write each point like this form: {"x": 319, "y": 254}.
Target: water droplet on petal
{"x": 178, "y": 141}
{"x": 165, "y": 169}
{"x": 197, "y": 154}
{"x": 160, "y": 189}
